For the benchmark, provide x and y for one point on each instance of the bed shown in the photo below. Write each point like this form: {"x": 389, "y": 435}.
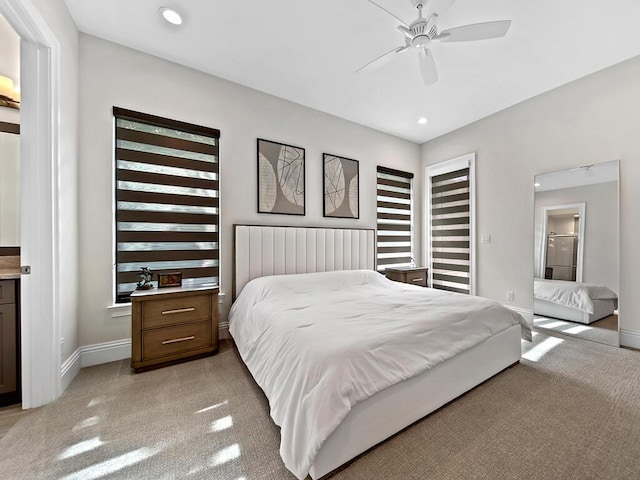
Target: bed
{"x": 573, "y": 301}
{"x": 294, "y": 323}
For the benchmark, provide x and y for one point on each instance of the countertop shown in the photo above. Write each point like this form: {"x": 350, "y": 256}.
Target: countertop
{"x": 9, "y": 273}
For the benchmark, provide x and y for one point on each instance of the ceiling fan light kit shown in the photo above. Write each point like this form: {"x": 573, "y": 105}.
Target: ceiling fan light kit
{"x": 423, "y": 31}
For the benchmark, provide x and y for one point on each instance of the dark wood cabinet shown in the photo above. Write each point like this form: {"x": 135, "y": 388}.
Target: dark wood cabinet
{"x": 412, "y": 275}
{"x": 171, "y": 325}
{"x": 9, "y": 348}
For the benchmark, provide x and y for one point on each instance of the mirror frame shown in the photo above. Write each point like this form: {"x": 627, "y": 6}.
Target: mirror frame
{"x": 619, "y": 229}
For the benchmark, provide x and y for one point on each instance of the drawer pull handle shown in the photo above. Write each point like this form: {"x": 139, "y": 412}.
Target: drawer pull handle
{"x": 178, "y": 310}
{"x": 417, "y": 279}
{"x": 176, "y": 340}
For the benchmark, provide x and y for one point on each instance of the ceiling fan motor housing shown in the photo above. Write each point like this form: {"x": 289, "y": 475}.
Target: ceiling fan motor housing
{"x": 421, "y": 35}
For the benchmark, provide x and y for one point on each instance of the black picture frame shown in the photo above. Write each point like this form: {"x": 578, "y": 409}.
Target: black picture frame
{"x": 281, "y": 178}
{"x": 340, "y": 187}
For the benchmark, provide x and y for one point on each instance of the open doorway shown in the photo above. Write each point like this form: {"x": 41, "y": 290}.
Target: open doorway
{"x": 10, "y": 357}
{"x": 39, "y": 202}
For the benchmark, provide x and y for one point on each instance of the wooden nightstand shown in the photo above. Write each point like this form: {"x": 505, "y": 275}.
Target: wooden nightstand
{"x": 413, "y": 275}
{"x": 170, "y": 325}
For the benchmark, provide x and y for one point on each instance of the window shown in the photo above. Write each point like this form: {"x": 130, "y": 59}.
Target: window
{"x": 450, "y": 196}
{"x": 393, "y": 218}
{"x": 167, "y": 210}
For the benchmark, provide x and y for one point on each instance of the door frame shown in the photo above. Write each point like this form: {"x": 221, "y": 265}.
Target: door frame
{"x": 39, "y": 197}
{"x": 581, "y": 207}
{"x": 465, "y": 161}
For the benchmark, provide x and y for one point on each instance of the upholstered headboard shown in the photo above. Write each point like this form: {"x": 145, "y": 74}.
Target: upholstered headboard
{"x": 262, "y": 250}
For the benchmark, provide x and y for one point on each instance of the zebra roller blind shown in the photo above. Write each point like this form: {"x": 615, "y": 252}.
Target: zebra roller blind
{"x": 451, "y": 231}
{"x": 166, "y": 200}
{"x": 393, "y": 241}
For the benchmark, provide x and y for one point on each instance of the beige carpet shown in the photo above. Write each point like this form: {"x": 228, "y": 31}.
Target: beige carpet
{"x": 570, "y": 410}
{"x": 603, "y": 331}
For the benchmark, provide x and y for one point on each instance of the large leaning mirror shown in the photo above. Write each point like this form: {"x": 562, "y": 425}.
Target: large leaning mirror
{"x": 576, "y": 252}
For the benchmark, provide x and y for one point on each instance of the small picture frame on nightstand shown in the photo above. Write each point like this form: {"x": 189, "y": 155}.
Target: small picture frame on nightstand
{"x": 170, "y": 279}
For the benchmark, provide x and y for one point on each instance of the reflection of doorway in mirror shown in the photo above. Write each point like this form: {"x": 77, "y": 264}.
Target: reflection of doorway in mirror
{"x": 576, "y": 252}
{"x": 563, "y": 232}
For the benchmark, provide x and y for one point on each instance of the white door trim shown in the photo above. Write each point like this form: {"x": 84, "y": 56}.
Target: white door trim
{"x": 458, "y": 163}
{"x": 39, "y": 166}
{"x": 581, "y": 207}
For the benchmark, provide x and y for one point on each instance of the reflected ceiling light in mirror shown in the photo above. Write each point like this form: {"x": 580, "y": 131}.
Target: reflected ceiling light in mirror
{"x": 9, "y": 97}
{"x": 170, "y": 15}
{"x": 422, "y": 120}
{"x": 536, "y": 184}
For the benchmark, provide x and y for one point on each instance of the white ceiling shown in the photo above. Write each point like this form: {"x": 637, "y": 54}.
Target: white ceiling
{"x": 307, "y": 51}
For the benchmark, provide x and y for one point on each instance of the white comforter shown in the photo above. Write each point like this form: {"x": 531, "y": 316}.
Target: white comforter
{"x": 572, "y": 294}
{"x": 319, "y": 343}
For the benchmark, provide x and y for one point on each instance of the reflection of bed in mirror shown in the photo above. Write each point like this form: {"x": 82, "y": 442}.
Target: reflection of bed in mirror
{"x": 573, "y": 301}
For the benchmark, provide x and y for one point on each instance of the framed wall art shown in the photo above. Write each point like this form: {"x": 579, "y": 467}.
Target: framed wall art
{"x": 281, "y": 178}
{"x": 341, "y": 187}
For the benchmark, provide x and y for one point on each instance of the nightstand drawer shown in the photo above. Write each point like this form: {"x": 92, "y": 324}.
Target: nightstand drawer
{"x": 171, "y": 311}
{"x": 168, "y": 341}
{"x": 417, "y": 278}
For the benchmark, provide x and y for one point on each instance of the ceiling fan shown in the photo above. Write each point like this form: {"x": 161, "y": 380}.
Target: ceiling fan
{"x": 423, "y": 31}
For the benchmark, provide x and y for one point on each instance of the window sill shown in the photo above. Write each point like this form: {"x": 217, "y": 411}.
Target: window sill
{"x": 124, "y": 309}
{"x": 120, "y": 310}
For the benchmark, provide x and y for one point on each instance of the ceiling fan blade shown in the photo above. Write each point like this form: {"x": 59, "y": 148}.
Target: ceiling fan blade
{"x": 385, "y": 10}
{"x": 381, "y": 60}
{"x": 405, "y": 31}
{"x": 476, "y": 31}
{"x": 427, "y": 67}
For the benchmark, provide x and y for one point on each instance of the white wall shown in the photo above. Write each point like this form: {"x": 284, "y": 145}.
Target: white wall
{"x": 601, "y": 237}
{"x": 9, "y": 115}
{"x": 591, "y": 120}
{"x": 61, "y": 24}
{"x": 112, "y": 75}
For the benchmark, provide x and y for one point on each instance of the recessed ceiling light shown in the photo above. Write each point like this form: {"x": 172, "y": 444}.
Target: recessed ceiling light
{"x": 536, "y": 184}
{"x": 170, "y": 15}
{"x": 422, "y": 120}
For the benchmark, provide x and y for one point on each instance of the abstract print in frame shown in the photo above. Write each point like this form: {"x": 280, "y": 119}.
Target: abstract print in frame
{"x": 280, "y": 178}
{"x": 341, "y": 187}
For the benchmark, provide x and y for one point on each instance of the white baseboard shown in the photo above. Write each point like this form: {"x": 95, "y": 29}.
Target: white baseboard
{"x": 100, "y": 353}
{"x": 90, "y": 355}
{"x": 630, "y": 338}
{"x": 70, "y": 369}
{"x": 527, "y": 314}
{"x": 223, "y": 330}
